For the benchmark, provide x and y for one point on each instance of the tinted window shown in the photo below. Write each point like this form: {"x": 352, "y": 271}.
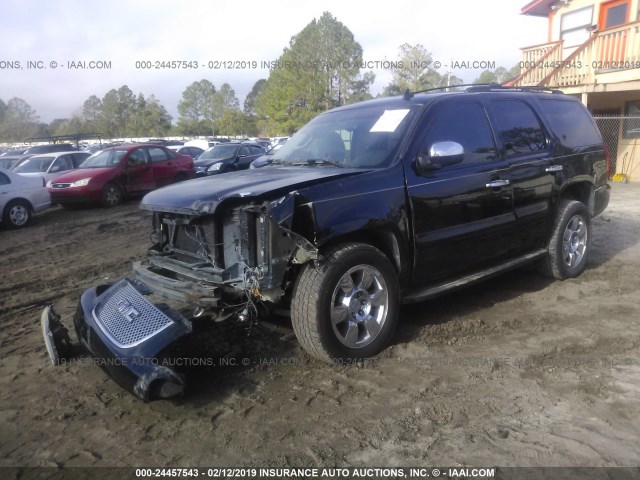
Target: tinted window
{"x": 4, "y": 180}
{"x": 78, "y": 158}
{"x": 571, "y": 122}
{"x": 157, "y": 155}
{"x": 256, "y": 151}
{"x": 519, "y": 128}
{"x": 466, "y": 124}
{"x": 243, "y": 151}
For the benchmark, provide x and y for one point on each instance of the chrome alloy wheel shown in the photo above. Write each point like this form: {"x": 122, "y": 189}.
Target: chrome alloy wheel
{"x": 574, "y": 241}
{"x": 359, "y": 306}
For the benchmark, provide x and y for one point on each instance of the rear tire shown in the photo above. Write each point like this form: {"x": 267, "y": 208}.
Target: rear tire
{"x": 570, "y": 242}
{"x": 346, "y": 308}
{"x": 181, "y": 177}
{"x": 111, "y": 195}
{"x": 17, "y": 214}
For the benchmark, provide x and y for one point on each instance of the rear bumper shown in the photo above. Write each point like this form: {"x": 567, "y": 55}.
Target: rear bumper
{"x": 601, "y": 199}
{"x": 129, "y": 338}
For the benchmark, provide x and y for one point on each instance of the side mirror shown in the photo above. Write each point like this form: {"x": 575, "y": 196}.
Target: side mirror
{"x": 441, "y": 154}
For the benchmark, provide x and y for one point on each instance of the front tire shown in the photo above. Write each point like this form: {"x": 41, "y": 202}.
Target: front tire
{"x": 17, "y": 214}
{"x": 346, "y": 308}
{"x": 570, "y": 242}
{"x": 111, "y": 195}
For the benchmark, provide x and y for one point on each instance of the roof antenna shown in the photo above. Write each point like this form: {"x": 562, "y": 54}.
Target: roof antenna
{"x": 407, "y": 94}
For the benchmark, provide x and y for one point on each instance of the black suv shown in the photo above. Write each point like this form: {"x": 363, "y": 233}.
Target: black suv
{"x": 369, "y": 205}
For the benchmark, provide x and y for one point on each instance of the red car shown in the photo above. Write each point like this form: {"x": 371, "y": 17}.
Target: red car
{"x": 115, "y": 172}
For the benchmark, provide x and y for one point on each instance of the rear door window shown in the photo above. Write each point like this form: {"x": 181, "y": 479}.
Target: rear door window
{"x": 157, "y": 155}
{"x": 519, "y": 128}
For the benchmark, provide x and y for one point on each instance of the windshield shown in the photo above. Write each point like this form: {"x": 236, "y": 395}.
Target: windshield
{"x": 365, "y": 137}
{"x": 34, "y": 165}
{"x": 106, "y": 158}
{"x": 219, "y": 152}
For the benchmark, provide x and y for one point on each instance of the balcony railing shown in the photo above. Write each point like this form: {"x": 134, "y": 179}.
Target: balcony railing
{"x": 612, "y": 50}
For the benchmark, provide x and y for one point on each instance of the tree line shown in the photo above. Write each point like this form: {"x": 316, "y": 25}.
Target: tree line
{"x": 320, "y": 69}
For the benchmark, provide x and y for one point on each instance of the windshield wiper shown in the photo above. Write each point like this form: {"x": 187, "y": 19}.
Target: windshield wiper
{"x": 316, "y": 161}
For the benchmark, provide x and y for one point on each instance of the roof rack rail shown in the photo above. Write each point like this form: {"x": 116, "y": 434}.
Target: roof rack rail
{"x": 484, "y": 87}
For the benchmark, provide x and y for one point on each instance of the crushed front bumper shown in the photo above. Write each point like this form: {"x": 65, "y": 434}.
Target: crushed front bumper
{"x": 128, "y": 336}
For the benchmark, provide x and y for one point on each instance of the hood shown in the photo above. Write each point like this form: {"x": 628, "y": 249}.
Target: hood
{"x": 80, "y": 173}
{"x": 203, "y": 195}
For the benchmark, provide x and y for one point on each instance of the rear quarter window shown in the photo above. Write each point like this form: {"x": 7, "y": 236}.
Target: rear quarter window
{"x": 571, "y": 123}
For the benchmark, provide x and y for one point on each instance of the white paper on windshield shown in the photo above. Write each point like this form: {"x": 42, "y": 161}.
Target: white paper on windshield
{"x": 389, "y": 120}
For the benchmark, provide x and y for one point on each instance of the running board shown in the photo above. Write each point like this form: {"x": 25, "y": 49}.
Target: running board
{"x": 433, "y": 291}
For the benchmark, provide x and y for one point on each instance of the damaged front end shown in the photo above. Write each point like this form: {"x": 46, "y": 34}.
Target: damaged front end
{"x": 231, "y": 262}
{"x": 227, "y": 263}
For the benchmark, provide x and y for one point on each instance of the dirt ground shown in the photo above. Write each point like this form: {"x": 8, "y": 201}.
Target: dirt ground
{"x": 517, "y": 371}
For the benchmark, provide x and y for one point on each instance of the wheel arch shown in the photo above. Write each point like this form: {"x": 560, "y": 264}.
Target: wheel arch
{"x": 19, "y": 199}
{"x": 582, "y": 191}
{"x": 385, "y": 240}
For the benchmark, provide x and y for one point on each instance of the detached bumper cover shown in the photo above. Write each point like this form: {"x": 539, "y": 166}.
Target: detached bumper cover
{"x": 128, "y": 336}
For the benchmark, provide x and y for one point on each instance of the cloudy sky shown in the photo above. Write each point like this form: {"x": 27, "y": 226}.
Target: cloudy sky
{"x": 52, "y": 34}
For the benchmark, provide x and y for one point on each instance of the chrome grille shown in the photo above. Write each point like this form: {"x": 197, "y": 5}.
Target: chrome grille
{"x": 126, "y": 317}
{"x": 60, "y": 185}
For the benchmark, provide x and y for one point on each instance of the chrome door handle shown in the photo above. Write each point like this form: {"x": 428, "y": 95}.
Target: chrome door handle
{"x": 553, "y": 168}
{"x": 498, "y": 183}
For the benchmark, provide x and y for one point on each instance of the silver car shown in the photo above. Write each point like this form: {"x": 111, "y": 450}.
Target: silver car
{"x": 21, "y": 197}
{"x": 51, "y": 165}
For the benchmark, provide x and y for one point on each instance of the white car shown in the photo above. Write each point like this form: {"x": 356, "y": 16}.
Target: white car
{"x": 51, "y": 165}
{"x": 21, "y": 197}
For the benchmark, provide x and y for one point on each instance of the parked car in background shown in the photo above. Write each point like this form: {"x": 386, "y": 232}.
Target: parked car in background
{"x": 193, "y": 152}
{"x": 13, "y": 152}
{"x": 50, "y": 166}
{"x": 20, "y": 198}
{"x": 266, "y": 159}
{"x": 52, "y": 147}
{"x": 264, "y": 143}
{"x": 227, "y": 157}
{"x": 10, "y": 161}
{"x": 116, "y": 172}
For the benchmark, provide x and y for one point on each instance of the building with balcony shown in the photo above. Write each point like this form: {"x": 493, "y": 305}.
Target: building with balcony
{"x": 593, "y": 52}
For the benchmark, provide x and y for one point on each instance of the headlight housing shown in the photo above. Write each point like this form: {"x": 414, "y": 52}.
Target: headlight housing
{"x": 80, "y": 183}
{"x": 215, "y": 167}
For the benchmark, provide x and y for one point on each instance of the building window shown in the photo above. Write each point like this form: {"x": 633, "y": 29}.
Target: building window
{"x": 574, "y": 25}
{"x": 631, "y": 127}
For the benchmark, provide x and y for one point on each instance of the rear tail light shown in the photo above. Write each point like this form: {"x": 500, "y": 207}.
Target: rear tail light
{"x": 607, "y": 159}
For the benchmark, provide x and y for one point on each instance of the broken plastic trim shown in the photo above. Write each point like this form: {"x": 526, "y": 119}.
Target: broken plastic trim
{"x": 56, "y": 336}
